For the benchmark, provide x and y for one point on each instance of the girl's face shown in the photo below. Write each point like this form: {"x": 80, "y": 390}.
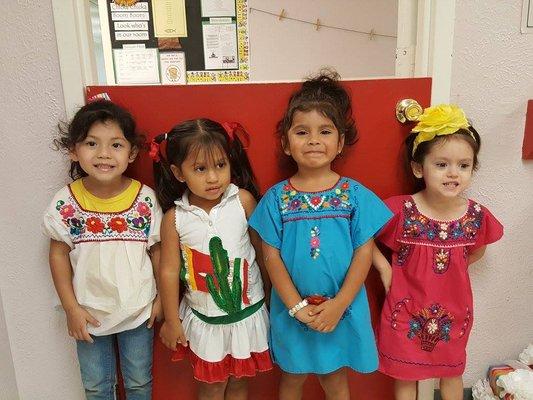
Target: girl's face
{"x": 447, "y": 168}
{"x": 313, "y": 140}
{"x": 105, "y": 153}
{"x": 207, "y": 174}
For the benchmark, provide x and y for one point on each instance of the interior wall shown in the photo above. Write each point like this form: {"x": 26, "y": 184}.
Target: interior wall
{"x": 492, "y": 78}
{"x": 30, "y": 171}
{"x": 8, "y": 381}
{"x": 290, "y": 50}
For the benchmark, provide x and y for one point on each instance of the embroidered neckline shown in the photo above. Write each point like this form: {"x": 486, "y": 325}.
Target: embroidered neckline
{"x": 135, "y": 200}
{"x": 316, "y": 191}
{"x": 445, "y": 221}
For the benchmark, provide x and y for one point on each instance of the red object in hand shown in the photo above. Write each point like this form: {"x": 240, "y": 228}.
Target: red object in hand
{"x": 316, "y": 299}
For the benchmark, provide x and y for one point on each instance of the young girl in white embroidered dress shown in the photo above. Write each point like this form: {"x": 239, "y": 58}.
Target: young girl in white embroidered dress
{"x": 206, "y": 187}
{"x": 102, "y": 227}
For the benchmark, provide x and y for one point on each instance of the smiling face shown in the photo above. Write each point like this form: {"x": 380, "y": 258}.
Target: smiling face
{"x": 104, "y": 154}
{"x": 313, "y": 140}
{"x": 207, "y": 175}
{"x": 447, "y": 167}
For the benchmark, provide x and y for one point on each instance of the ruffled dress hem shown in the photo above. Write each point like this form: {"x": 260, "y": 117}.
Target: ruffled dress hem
{"x": 220, "y": 371}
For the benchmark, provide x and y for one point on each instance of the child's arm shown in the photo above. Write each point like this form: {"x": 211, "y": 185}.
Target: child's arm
{"x": 383, "y": 266}
{"x": 248, "y": 203}
{"x": 157, "y": 310}
{"x": 476, "y": 255}
{"x": 171, "y": 331}
{"x": 282, "y": 282}
{"x": 77, "y": 316}
{"x": 330, "y": 312}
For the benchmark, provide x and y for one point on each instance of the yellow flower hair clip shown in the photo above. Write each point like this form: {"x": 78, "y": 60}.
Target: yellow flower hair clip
{"x": 440, "y": 120}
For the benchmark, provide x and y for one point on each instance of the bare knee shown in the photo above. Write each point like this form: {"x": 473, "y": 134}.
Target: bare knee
{"x": 211, "y": 391}
{"x": 451, "y": 388}
{"x": 335, "y": 385}
{"x": 404, "y": 390}
{"x": 291, "y": 386}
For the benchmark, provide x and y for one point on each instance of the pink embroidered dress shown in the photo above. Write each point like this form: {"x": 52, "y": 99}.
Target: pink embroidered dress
{"x": 427, "y": 315}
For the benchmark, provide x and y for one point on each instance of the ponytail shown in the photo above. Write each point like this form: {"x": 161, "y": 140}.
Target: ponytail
{"x": 241, "y": 171}
{"x": 167, "y": 187}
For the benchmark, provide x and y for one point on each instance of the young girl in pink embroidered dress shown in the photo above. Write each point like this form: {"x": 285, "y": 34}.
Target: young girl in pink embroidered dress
{"x": 207, "y": 190}
{"x": 102, "y": 227}
{"x": 434, "y": 236}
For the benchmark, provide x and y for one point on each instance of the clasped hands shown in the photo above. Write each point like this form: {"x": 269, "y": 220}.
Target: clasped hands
{"x": 323, "y": 317}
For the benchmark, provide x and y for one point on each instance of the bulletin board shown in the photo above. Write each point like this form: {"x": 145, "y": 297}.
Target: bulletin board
{"x": 175, "y": 41}
{"x": 375, "y": 161}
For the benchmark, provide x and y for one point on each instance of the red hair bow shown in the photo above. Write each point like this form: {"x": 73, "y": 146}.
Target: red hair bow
{"x": 154, "y": 151}
{"x": 234, "y": 129}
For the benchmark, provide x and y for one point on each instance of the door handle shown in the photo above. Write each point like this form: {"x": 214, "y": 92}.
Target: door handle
{"x": 408, "y": 110}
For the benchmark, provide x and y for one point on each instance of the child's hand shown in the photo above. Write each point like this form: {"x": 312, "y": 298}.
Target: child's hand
{"x": 157, "y": 311}
{"x": 327, "y": 316}
{"x": 305, "y": 315}
{"x": 171, "y": 334}
{"x": 386, "y": 278}
{"x": 77, "y": 320}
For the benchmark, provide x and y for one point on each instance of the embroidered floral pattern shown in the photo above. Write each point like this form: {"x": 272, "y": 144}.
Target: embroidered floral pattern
{"x": 403, "y": 254}
{"x": 419, "y": 227}
{"x": 397, "y": 310}
{"x": 431, "y": 325}
{"x": 94, "y": 225}
{"x": 441, "y": 260}
{"x": 466, "y": 322}
{"x": 133, "y": 224}
{"x": 315, "y": 242}
{"x": 337, "y": 198}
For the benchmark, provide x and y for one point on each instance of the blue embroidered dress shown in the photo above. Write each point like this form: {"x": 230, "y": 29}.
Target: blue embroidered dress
{"x": 316, "y": 234}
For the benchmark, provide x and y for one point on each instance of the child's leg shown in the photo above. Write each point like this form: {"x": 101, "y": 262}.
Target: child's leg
{"x": 335, "y": 385}
{"x": 211, "y": 391}
{"x": 98, "y": 367}
{"x": 404, "y": 390}
{"x": 237, "y": 389}
{"x": 291, "y": 386}
{"x": 135, "y": 350}
{"x": 451, "y": 388}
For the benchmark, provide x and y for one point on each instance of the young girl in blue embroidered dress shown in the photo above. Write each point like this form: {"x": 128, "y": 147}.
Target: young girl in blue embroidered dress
{"x": 206, "y": 188}
{"x": 434, "y": 236}
{"x": 102, "y": 227}
{"x": 317, "y": 229}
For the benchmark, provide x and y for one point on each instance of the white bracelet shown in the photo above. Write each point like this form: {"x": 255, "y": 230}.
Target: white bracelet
{"x": 298, "y": 307}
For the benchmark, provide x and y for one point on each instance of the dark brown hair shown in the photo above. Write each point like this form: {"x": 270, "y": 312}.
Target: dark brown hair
{"x": 192, "y": 136}
{"x": 326, "y": 95}
{"x": 102, "y": 111}
{"x": 469, "y": 135}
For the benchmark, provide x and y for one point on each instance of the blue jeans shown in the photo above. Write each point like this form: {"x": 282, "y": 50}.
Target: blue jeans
{"x": 98, "y": 364}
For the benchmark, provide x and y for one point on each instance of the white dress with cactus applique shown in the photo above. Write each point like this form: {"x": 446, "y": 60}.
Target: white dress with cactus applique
{"x": 222, "y": 311}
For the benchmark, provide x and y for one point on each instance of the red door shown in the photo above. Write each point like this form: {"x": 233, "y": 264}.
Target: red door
{"x": 375, "y": 160}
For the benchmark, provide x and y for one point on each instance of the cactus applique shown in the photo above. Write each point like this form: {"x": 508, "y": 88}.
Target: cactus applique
{"x": 226, "y": 286}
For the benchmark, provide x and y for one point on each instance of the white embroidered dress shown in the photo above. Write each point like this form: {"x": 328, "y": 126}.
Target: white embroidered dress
{"x": 223, "y": 341}
{"x": 112, "y": 271}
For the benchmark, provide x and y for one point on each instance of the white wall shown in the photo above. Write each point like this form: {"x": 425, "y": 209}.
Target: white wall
{"x": 8, "y": 383}
{"x": 283, "y": 50}
{"x": 492, "y": 79}
{"x": 31, "y": 102}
